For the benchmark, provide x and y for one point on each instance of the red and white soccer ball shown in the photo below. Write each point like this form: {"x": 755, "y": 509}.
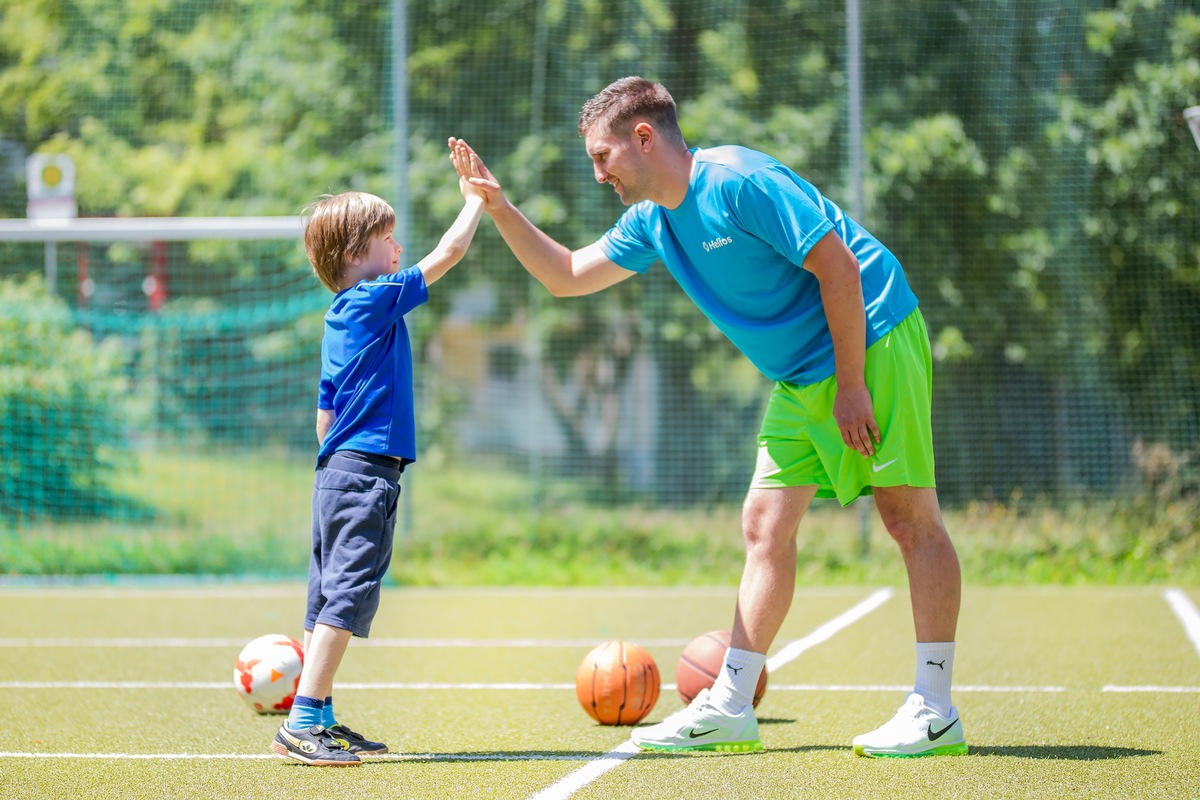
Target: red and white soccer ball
{"x": 267, "y": 673}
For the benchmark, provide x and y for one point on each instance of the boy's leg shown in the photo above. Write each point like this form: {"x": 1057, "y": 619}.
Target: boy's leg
{"x": 354, "y": 504}
{"x": 356, "y": 549}
{"x": 303, "y": 737}
{"x": 326, "y": 647}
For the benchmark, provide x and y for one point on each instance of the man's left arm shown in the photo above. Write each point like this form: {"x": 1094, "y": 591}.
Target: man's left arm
{"x": 837, "y": 270}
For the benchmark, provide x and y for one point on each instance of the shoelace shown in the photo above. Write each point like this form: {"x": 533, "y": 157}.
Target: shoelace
{"x": 686, "y": 713}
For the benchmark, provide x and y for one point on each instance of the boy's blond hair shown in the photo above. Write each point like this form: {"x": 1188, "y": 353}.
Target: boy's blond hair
{"x": 339, "y": 229}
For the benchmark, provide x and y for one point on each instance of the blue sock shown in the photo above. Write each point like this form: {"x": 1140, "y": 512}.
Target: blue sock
{"x": 306, "y": 712}
{"x": 327, "y": 718}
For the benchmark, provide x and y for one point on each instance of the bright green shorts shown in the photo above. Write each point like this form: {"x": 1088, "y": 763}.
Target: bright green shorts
{"x": 800, "y": 443}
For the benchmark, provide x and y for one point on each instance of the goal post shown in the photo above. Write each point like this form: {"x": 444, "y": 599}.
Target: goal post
{"x": 150, "y": 229}
{"x": 174, "y": 357}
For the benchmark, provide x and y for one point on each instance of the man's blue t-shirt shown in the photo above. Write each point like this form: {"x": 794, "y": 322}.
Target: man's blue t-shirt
{"x": 736, "y": 245}
{"x": 366, "y": 366}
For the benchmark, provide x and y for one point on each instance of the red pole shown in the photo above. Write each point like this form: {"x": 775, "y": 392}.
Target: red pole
{"x": 156, "y": 283}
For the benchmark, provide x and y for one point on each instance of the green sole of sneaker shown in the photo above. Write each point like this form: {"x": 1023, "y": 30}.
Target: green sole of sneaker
{"x": 959, "y": 749}
{"x": 715, "y": 747}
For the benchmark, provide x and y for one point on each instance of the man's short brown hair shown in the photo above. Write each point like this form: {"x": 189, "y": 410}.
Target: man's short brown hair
{"x": 339, "y": 229}
{"x": 623, "y": 101}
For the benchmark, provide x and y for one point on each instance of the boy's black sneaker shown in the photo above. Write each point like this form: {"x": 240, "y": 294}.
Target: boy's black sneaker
{"x": 357, "y": 743}
{"x": 316, "y": 747}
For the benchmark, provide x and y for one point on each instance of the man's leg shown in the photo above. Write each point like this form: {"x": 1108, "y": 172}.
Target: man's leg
{"x": 914, "y": 520}
{"x": 722, "y": 719}
{"x": 770, "y": 519}
{"x": 927, "y": 724}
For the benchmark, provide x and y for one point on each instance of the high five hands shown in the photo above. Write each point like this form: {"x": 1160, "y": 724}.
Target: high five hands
{"x": 473, "y": 172}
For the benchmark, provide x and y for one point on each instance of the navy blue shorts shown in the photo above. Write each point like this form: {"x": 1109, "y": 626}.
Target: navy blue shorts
{"x": 353, "y": 524}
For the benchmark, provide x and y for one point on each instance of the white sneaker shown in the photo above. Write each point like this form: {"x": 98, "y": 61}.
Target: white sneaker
{"x": 700, "y": 726}
{"x": 916, "y": 730}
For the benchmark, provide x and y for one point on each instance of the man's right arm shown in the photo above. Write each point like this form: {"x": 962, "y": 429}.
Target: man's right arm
{"x": 564, "y": 272}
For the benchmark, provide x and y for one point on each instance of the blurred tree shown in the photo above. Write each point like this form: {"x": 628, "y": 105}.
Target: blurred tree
{"x": 55, "y": 378}
{"x": 1026, "y": 160}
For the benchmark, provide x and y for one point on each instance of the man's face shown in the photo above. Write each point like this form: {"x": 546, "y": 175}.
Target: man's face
{"x": 618, "y": 160}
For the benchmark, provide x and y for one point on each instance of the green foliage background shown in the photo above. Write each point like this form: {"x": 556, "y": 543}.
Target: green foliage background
{"x": 62, "y": 399}
{"x": 1028, "y": 162}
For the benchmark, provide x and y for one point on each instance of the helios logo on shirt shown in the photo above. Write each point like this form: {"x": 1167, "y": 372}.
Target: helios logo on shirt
{"x": 713, "y": 244}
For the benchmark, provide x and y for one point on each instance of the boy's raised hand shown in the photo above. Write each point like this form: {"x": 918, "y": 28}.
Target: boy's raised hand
{"x": 474, "y": 176}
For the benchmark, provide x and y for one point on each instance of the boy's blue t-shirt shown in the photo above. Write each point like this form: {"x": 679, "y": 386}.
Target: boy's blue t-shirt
{"x": 366, "y": 366}
{"x": 736, "y": 245}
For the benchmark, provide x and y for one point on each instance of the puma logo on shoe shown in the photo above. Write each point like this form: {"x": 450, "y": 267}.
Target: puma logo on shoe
{"x": 935, "y": 735}
{"x": 939, "y": 664}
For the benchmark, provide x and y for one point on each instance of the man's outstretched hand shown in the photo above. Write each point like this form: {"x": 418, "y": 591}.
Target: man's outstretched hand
{"x": 470, "y": 168}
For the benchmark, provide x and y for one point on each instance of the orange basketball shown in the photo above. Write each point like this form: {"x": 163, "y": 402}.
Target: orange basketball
{"x": 700, "y": 662}
{"x": 617, "y": 683}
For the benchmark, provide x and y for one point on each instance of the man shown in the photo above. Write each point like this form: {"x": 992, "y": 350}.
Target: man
{"x": 820, "y": 307}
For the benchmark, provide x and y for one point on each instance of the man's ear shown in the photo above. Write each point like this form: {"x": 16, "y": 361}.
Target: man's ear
{"x": 645, "y": 134}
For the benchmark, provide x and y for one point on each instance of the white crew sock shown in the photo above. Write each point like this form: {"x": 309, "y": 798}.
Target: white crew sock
{"x": 734, "y": 687}
{"x": 935, "y": 669}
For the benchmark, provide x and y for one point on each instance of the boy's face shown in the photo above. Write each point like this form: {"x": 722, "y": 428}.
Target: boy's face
{"x": 382, "y": 257}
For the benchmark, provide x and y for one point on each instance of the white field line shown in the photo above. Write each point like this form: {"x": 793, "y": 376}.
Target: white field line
{"x": 227, "y": 686}
{"x": 848, "y": 687}
{"x": 826, "y": 631}
{"x": 176, "y": 588}
{"x": 573, "y": 782}
{"x": 541, "y": 687}
{"x": 1188, "y": 615}
{"x": 264, "y": 756}
{"x": 409, "y": 643}
{"x": 1153, "y": 689}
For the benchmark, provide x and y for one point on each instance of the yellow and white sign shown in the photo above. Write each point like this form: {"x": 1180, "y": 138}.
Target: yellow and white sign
{"x": 50, "y": 178}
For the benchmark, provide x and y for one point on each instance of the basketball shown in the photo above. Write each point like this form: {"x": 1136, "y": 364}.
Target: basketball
{"x": 617, "y": 683}
{"x": 700, "y": 662}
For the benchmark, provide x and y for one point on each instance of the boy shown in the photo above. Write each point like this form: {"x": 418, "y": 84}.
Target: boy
{"x": 365, "y": 426}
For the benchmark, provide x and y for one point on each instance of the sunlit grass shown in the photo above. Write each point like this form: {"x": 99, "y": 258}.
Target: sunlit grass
{"x": 249, "y": 514}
